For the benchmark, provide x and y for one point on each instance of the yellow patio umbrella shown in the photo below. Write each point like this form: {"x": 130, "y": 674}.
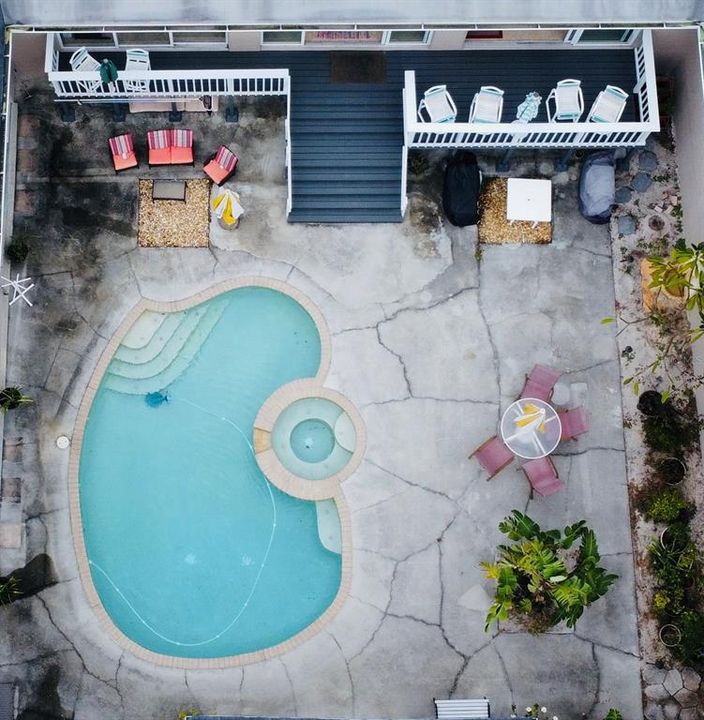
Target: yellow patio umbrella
{"x": 227, "y": 209}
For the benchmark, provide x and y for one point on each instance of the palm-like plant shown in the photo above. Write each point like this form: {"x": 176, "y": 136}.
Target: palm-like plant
{"x": 538, "y": 575}
{"x": 11, "y": 398}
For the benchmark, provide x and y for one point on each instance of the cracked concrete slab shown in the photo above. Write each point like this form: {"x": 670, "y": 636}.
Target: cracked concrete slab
{"x": 431, "y": 345}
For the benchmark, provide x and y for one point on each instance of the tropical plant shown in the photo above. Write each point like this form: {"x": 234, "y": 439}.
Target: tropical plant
{"x": 11, "y": 398}
{"x": 541, "y": 577}
{"x": 613, "y": 714}
{"x": 9, "y": 590}
{"x": 690, "y": 648}
{"x": 667, "y": 505}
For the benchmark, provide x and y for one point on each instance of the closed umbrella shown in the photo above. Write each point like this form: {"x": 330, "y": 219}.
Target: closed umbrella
{"x": 108, "y": 71}
{"x": 227, "y": 209}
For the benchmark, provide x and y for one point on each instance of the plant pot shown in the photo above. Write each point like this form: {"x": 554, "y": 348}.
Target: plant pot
{"x": 650, "y": 403}
{"x": 670, "y": 635}
{"x": 672, "y": 470}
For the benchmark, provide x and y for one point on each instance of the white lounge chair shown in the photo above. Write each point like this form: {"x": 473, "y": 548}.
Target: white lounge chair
{"x": 83, "y": 61}
{"x": 609, "y": 105}
{"x": 568, "y": 99}
{"x": 487, "y": 105}
{"x": 438, "y": 105}
{"x": 138, "y": 61}
{"x": 462, "y": 709}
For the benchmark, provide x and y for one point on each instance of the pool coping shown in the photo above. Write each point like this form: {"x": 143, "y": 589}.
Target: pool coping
{"x": 104, "y": 620}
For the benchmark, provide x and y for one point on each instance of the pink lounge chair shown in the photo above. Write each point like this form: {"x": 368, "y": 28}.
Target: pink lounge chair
{"x": 574, "y": 422}
{"x": 540, "y": 383}
{"x": 493, "y": 456}
{"x": 122, "y": 151}
{"x": 221, "y": 165}
{"x": 542, "y": 476}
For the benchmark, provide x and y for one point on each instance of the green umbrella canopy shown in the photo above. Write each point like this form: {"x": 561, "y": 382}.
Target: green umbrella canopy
{"x": 108, "y": 71}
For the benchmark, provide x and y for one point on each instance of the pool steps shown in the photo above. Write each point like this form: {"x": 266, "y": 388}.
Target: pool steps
{"x": 148, "y": 351}
{"x": 174, "y": 357}
{"x": 329, "y": 528}
{"x": 144, "y": 328}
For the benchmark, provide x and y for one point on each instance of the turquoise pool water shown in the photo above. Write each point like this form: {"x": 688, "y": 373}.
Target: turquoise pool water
{"x": 192, "y": 551}
{"x": 312, "y": 440}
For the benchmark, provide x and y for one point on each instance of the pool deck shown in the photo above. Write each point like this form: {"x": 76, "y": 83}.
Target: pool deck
{"x": 429, "y": 344}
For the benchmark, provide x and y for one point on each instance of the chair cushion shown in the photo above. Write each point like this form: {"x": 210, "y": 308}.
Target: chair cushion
{"x": 160, "y": 156}
{"x": 182, "y": 138}
{"x": 181, "y": 156}
{"x": 159, "y": 139}
{"x": 122, "y": 163}
{"x": 226, "y": 158}
{"x": 121, "y": 145}
{"x": 216, "y": 172}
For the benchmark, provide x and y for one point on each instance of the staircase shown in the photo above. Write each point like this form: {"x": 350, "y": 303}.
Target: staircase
{"x": 346, "y": 145}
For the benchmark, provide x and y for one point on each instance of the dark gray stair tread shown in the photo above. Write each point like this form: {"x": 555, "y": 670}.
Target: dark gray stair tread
{"x": 378, "y": 187}
{"x": 353, "y": 160}
{"x": 344, "y": 173}
{"x": 348, "y": 216}
{"x": 345, "y": 202}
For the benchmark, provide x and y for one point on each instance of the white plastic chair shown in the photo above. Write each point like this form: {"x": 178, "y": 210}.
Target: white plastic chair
{"x": 438, "y": 105}
{"x": 568, "y": 100}
{"x": 138, "y": 61}
{"x": 83, "y": 61}
{"x": 609, "y": 105}
{"x": 487, "y": 105}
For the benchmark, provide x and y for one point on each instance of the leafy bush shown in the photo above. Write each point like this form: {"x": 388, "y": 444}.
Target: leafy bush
{"x": 17, "y": 250}
{"x": 668, "y": 505}
{"x": 671, "y": 431}
{"x": 11, "y": 398}
{"x": 613, "y": 714}
{"x": 691, "y": 648}
{"x": 533, "y": 577}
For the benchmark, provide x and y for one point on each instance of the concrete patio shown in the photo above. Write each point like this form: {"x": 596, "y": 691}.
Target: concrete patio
{"x": 428, "y": 342}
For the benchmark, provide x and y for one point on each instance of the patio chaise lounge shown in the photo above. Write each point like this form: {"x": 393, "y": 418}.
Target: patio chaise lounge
{"x": 462, "y": 709}
{"x": 540, "y": 383}
{"x": 137, "y": 60}
{"x": 609, "y": 105}
{"x": 438, "y": 105}
{"x": 83, "y": 61}
{"x": 568, "y": 99}
{"x": 542, "y": 476}
{"x": 122, "y": 151}
{"x": 493, "y": 455}
{"x": 574, "y": 422}
{"x": 170, "y": 147}
{"x": 487, "y": 105}
{"x": 220, "y": 166}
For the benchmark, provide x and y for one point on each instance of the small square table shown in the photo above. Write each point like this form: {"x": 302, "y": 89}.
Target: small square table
{"x": 529, "y": 200}
{"x": 169, "y": 190}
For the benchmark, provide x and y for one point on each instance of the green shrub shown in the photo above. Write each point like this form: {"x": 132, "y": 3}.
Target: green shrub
{"x": 672, "y": 432}
{"x": 18, "y": 249}
{"x": 613, "y": 714}
{"x": 667, "y": 506}
{"x": 661, "y": 602}
{"x": 691, "y": 647}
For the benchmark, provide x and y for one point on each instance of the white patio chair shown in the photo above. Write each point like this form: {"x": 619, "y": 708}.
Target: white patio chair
{"x": 438, "y": 105}
{"x": 609, "y": 105}
{"x": 138, "y": 61}
{"x": 568, "y": 99}
{"x": 83, "y": 61}
{"x": 487, "y": 105}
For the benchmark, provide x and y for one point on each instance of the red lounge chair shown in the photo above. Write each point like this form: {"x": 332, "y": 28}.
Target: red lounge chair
{"x": 574, "y": 422}
{"x": 540, "y": 383}
{"x": 159, "y": 147}
{"x": 221, "y": 165}
{"x": 181, "y": 147}
{"x": 122, "y": 151}
{"x": 542, "y": 476}
{"x": 493, "y": 456}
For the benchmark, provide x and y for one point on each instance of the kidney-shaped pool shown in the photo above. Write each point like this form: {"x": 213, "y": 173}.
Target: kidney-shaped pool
{"x": 192, "y": 551}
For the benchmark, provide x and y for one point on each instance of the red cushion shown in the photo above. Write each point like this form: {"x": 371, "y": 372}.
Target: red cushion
{"x": 216, "y": 172}
{"x": 122, "y": 163}
{"x": 160, "y": 156}
{"x": 181, "y": 156}
{"x": 159, "y": 139}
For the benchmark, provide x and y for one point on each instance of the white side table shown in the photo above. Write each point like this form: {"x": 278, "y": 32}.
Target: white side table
{"x": 529, "y": 200}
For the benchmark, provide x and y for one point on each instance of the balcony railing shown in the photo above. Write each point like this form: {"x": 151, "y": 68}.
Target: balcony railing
{"x": 543, "y": 134}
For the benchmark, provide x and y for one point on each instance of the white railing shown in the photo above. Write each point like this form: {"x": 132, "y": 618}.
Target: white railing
{"x": 541, "y": 135}
{"x": 289, "y": 169}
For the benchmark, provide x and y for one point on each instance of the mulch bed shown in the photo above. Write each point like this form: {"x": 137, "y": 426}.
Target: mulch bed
{"x": 495, "y": 229}
{"x": 174, "y": 223}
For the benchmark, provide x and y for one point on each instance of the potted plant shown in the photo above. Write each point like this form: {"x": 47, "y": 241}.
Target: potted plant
{"x": 670, "y": 635}
{"x": 11, "y": 398}
{"x": 672, "y": 470}
{"x": 650, "y": 403}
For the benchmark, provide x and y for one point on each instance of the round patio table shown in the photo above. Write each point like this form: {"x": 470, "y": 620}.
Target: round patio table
{"x": 531, "y": 428}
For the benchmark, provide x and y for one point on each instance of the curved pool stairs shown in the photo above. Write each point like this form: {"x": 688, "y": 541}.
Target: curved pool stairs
{"x": 159, "y": 347}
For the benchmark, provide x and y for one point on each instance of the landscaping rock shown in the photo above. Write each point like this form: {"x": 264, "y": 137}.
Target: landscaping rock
{"x": 691, "y": 679}
{"x": 673, "y": 681}
{"x": 653, "y": 675}
{"x": 626, "y": 225}
{"x": 690, "y": 713}
{"x": 653, "y": 712}
{"x": 641, "y": 182}
{"x": 623, "y": 165}
{"x": 656, "y": 692}
{"x": 622, "y": 195}
{"x": 648, "y": 161}
{"x": 671, "y": 710}
{"x": 686, "y": 698}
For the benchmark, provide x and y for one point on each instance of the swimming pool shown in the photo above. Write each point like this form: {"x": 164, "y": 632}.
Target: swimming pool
{"x": 191, "y": 550}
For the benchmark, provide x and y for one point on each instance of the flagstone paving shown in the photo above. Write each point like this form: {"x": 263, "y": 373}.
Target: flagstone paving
{"x": 431, "y": 345}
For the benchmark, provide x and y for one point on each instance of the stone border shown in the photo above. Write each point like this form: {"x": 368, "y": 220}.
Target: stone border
{"x": 104, "y": 620}
{"x": 267, "y": 458}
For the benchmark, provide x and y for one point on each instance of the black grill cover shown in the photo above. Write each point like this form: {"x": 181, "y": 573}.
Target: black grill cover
{"x": 460, "y": 192}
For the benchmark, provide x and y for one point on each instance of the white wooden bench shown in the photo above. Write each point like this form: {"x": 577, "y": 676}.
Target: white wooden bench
{"x": 462, "y": 709}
